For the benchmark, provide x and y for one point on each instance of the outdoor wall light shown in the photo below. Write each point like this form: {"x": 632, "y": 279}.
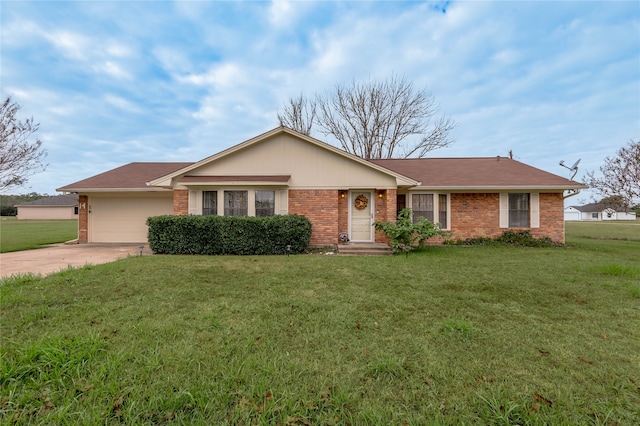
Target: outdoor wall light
{"x": 342, "y": 194}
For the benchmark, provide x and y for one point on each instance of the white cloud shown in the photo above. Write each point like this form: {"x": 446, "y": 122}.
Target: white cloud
{"x": 72, "y": 45}
{"x": 221, "y": 76}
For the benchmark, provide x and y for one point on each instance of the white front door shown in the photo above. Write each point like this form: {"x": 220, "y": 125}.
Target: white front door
{"x": 361, "y": 209}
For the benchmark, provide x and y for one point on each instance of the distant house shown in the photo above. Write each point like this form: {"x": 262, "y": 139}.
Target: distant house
{"x": 55, "y": 207}
{"x": 598, "y": 211}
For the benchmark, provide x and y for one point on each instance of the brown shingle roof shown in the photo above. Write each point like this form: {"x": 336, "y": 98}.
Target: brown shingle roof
{"x": 129, "y": 176}
{"x": 488, "y": 172}
{"x": 53, "y": 201}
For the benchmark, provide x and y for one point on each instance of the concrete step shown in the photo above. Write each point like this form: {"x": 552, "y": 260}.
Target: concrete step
{"x": 364, "y": 249}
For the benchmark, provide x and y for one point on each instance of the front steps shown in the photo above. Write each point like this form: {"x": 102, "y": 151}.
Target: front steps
{"x": 364, "y": 249}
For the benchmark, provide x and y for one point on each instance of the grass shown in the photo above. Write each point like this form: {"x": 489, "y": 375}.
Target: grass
{"x": 452, "y": 335}
{"x": 17, "y": 235}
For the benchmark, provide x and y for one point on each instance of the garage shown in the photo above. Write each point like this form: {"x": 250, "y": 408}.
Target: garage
{"x": 119, "y": 218}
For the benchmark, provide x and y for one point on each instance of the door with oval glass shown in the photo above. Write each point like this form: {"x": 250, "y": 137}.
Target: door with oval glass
{"x": 361, "y": 216}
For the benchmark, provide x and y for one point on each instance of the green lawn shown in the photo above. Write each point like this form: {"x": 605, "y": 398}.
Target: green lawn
{"x": 453, "y": 335}
{"x": 16, "y": 235}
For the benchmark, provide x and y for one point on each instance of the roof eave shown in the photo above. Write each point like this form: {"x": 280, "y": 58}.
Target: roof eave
{"x": 496, "y": 188}
{"x": 79, "y": 190}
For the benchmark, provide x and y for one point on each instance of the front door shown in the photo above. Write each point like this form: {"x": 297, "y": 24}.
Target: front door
{"x": 361, "y": 216}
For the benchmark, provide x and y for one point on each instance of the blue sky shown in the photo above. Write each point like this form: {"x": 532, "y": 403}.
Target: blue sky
{"x": 113, "y": 82}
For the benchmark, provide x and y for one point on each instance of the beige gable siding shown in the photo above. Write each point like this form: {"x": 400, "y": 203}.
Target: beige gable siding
{"x": 309, "y": 165}
{"x": 47, "y": 212}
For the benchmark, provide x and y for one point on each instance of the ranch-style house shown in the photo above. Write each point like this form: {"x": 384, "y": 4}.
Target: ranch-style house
{"x": 285, "y": 172}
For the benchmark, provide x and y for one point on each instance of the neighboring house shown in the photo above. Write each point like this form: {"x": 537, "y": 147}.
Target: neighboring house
{"x": 55, "y": 207}
{"x": 599, "y": 211}
{"x": 285, "y": 172}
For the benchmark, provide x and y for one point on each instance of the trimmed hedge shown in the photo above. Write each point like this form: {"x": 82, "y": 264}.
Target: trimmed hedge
{"x": 235, "y": 235}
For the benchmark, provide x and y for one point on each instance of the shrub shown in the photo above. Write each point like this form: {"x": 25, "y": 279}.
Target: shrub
{"x": 405, "y": 234}
{"x": 236, "y": 235}
{"x": 511, "y": 238}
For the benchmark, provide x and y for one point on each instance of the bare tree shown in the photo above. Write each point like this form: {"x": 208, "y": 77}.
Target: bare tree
{"x": 299, "y": 114}
{"x": 20, "y": 156}
{"x": 620, "y": 175}
{"x": 375, "y": 119}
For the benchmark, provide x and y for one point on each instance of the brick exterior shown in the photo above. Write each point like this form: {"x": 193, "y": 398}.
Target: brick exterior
{"x": 385, "y": 211}
{"x": 478, "y": 215}
{"x": 328, "y": 212}
{"x": 321, "y": 208}
{"x": 83, "y": 219}
{"x": 180, "y": 202}
{"x": 472, "y": 214}
{"x": 551, "y": 217}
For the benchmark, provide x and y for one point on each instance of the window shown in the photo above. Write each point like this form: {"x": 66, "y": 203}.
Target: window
{"x": 422, "y": 206}
{"x": 442, "y": 210}
{"x": 210, "y": 203}
{"x": 75, "y": 210}
{"x": 594, "y": 215}
{"x": 518, "y": 210}
{"x": 236, "y": 203}
{"x": 265, "y": 203}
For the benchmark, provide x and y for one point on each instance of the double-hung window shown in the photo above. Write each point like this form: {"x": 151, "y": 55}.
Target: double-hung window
{"x": 210, "y": 203}
{"x": 422, "y": 206}
{"x": 519, "y": 210}
{"x": 433, "y": 207}
{"x": 236, "y": 203}
{"x": 265, "y": 203}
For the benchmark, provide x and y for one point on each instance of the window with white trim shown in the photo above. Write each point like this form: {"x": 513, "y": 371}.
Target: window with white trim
{"x": 422, "y": 206}
{"x": 520, "y": 210}
{"x": 236, "y": 203}
{"x": 433, "y": 207}
{"x": 265, "y": 203}
{"x": 210, "y": 203}
{"x": 239, "y": 201}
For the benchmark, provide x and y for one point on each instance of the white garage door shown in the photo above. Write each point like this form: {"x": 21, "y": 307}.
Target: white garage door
{"x": 122, "y": 219}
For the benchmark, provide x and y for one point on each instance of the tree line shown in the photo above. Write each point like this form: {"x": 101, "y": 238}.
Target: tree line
{"x": 8, "y": 203}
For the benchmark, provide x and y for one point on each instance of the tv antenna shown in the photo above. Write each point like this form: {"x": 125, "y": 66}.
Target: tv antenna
{"x": 573, "y": 169}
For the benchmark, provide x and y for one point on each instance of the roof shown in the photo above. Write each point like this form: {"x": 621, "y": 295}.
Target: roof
{"x": 53, "y": 201}
{"x": 476, "y": 173}
{"x": 132, "y": 176}
{"x": 455, "y": 174}
{"x": 599, "y": 207}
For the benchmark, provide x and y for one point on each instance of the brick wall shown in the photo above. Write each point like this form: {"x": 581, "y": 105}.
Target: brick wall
{"x": 478, "y": 215}
{"x": 83, "y": 219}
{"x": 385, "y": 211}
{"x": 551, "y": 217}
{"x": 475, "y": 215}
{"x": 180, "y": 202}
{"x": 321, "y": 208}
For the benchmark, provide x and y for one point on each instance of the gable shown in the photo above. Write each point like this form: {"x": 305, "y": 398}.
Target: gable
{"x": 287, "y": 157}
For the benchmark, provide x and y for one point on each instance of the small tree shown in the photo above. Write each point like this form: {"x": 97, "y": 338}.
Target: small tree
{"x": 405, "y": 234}
{"x": 620, "y": 175}
{"x": 20, "y": 156}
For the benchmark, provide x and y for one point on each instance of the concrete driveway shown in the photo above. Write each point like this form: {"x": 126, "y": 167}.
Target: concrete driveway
{"x": 51, "y": 259}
